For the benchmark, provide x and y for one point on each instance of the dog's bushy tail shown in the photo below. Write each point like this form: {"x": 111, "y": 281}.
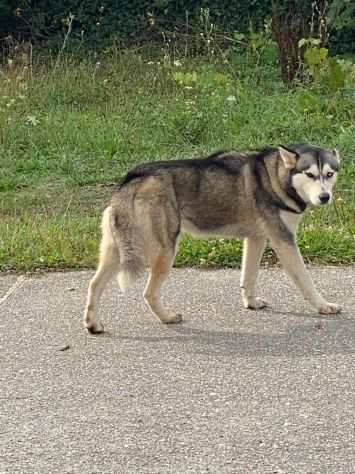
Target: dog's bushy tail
{"x": 131, "y": 268}
{"x": 131, "y": 251}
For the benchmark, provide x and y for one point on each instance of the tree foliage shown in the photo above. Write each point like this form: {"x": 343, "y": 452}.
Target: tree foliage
{"x": 99, "y": 22}
{"x": 342, "y": 18}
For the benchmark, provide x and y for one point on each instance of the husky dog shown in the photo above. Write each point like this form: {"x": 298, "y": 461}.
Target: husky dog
{"x": 257, "y": 195}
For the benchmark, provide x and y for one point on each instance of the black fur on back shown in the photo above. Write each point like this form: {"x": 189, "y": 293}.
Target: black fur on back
{"x": 231, "y": 161}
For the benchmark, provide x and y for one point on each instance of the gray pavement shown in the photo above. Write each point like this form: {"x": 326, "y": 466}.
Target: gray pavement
{"x": 227, "y": 391}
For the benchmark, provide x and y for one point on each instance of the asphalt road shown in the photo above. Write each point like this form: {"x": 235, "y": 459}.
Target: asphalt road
{"x": 227, "y": 391}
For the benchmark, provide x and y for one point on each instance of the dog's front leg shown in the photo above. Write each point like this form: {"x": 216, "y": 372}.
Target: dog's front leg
{"x": 253, "y": 249}
{"x": 292, "y": 261}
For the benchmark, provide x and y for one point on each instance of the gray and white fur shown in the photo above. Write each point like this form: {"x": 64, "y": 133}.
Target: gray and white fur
{"x": 257, "y": 196}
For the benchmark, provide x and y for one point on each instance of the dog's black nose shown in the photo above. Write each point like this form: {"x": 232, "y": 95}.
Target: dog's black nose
{"x": 324, "y": 198}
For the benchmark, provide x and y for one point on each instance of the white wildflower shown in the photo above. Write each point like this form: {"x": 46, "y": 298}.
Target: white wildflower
{"x": 10, "y": 103}
{"x": 32, "y": 120}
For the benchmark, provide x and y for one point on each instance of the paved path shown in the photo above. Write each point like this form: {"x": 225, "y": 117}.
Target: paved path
{"x": 228, "y": 391}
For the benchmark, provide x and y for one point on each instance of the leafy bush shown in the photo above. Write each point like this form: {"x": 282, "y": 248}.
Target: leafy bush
{"x": 101, "y": 20}
{"x": 330, "y": 73}
{"x": 341, "y": 16}
{"x": 98, "y": 24}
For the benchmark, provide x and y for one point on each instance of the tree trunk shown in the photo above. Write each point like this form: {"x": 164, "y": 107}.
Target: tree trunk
{"x": 289, "y": 25}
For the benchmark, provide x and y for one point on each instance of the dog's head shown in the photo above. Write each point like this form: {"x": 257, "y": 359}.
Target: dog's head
{"x": 312, "y": 171}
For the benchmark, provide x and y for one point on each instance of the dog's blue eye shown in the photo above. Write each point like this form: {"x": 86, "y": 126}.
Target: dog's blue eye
{"x": 330, "y": 174}
{"x": 310, "y": 175}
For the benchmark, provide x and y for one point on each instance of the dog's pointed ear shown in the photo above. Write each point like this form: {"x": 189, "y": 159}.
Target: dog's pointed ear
{"x": 289, "y": 157}
{"x": 336, "y": 154}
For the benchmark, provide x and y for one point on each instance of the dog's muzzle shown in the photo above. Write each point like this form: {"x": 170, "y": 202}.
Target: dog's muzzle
{"x": 324, "y": 198}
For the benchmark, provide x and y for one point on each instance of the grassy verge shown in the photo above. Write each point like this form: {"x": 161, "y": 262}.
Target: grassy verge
{"x": 67, "y": 133}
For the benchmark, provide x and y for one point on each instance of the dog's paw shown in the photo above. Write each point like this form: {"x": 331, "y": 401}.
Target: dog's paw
{"x": 95, "y": 328}
{"x": 329, "y": 308}
{"x": 255, "y": 303}
{"x": 172, "y": 318}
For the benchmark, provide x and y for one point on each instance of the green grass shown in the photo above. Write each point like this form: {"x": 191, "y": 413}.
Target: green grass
{"x": 68, "y": 132}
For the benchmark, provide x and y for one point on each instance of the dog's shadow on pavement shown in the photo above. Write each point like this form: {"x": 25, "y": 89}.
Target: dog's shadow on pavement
{"x": 312, "y": 338}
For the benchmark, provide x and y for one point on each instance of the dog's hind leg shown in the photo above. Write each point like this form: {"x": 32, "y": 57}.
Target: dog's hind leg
{"x": 253, "y": 249}
{"x": 107, "y": 269}
{"x": 159, "y": 270}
